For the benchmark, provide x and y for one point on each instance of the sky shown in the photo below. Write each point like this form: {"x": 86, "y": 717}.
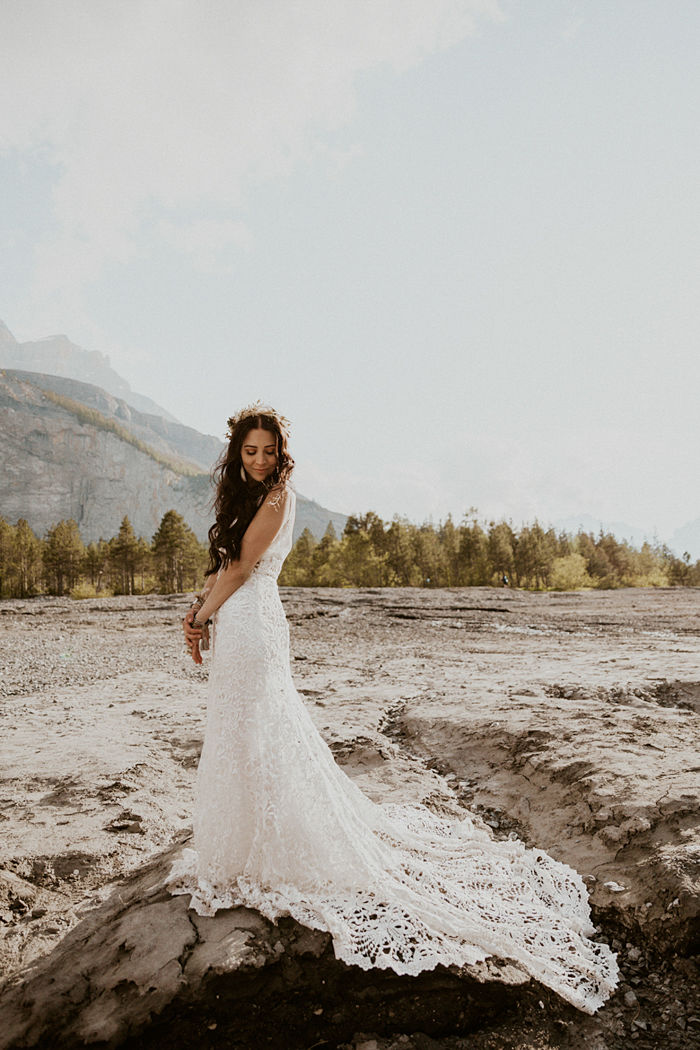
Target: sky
{"x": 454, "y": 241}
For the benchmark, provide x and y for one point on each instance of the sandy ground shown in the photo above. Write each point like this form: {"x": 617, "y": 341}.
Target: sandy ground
{"x": 420, "y": 694}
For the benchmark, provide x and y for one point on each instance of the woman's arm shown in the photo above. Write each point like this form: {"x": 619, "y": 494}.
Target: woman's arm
{"x": 194, "y": 634}
{"x": 256, "y": 539}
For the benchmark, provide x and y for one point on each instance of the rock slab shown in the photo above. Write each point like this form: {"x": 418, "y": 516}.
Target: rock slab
{"x": 143, "y": 970}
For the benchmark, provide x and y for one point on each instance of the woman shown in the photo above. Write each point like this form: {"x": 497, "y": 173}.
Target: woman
{"x": 279, "y": 827}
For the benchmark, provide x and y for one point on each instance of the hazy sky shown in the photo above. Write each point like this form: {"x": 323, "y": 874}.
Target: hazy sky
{"x": 456, "y": 242}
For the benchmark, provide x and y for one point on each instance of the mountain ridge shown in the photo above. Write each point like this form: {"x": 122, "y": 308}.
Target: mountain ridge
{"x": 171, "y": 438}
{"x": 166, "y": 436}
{"x": 57, "y": 355}
{"x": 72, "y": 450}
{"x": 685, "y": 538}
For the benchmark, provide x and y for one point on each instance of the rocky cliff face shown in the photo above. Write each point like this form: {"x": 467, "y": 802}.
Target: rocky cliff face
{"x": 173, "y": 440}
{"x": 72, "y": 450}
{"x": 56, "y": 466}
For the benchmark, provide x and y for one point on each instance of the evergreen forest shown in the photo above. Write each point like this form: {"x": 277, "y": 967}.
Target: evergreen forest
{"x": 369, "y": 553}
{"x": 374, "y": 553}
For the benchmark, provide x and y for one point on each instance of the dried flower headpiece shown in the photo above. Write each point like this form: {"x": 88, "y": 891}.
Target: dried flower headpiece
{"x": 258, "y": 409}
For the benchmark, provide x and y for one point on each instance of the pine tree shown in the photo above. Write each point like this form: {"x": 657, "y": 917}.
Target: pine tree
{"x": 63, "y": 556}
{"x": 297, "y": 570}
{"x": 324, "y": 560}
{"x": 28, "y": 560}
{"x": 143, "y": 563}
{"x": 401, "y": 550}
{"x": 7, "y": 535}
{"x": 176, "y": 553}
{"x": 123, "y": 555}
{"x": 95, "y": 562}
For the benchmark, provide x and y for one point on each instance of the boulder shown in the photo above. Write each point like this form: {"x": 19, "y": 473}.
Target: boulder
{"x": 143, "y": 970}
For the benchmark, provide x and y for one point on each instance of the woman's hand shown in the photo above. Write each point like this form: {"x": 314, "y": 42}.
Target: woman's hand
{"x": 192, "y": 636}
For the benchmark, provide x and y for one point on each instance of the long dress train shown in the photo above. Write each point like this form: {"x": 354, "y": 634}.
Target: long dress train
{"x": 280, "y": 827}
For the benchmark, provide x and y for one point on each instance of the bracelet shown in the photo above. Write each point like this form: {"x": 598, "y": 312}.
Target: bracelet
{"x": 198, "y": 623}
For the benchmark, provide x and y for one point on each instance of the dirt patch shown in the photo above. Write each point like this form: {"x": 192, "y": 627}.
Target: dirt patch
{"x": 569, "y": 720}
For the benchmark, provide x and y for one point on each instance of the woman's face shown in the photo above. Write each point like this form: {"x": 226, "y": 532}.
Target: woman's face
{"x": 259, "y": 453}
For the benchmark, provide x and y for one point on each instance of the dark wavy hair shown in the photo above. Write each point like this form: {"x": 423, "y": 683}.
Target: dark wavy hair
{"x": 236, "y": 500}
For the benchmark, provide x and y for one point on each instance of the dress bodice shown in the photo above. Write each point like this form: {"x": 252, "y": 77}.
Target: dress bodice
{"x": 270, "y": 564}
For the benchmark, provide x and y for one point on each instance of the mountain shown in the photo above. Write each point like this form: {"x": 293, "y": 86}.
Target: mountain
{"x": 170, "y": 438}
{"x": 56, "y": 355}
{"x": 620, "y": 529}
{"x": 687, "y": 538}
{"x": 74, "y": 450}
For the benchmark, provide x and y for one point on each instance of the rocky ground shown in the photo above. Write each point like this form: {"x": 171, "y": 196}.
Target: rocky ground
{"x": 568, "y": 719}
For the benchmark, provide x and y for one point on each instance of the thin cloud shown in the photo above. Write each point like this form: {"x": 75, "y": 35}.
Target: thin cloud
{"x": 146, "y": 102}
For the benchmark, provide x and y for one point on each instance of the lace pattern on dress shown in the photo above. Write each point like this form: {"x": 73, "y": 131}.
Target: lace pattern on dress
{"x": 280, "y": 827}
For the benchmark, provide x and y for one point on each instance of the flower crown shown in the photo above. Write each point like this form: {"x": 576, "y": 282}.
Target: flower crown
{"x": 258, "y": 408}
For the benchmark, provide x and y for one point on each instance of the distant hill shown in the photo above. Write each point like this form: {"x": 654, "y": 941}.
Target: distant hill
{"x": 621, "y": 529}
{"x": 56, "y": 355}
{"x": 686, "y": 538}
{"x": 73, "y": 450}
{"x": 171, "y": 438}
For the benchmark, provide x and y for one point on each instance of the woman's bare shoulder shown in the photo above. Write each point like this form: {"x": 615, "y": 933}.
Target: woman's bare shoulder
{"x": 278, "y": 495}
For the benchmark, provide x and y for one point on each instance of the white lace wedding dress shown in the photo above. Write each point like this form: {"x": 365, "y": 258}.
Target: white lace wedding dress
{"x": 279, "y": 827}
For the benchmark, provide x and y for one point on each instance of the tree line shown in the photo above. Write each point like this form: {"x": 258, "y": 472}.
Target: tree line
{"x": 375, "y": 553}
{"x": 60, "y": 563}
{"x": 369, "y": 553}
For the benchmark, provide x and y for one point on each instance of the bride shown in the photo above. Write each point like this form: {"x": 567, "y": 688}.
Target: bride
{"x": 279, "y": 827}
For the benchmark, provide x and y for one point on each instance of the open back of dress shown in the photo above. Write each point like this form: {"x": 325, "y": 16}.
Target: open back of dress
{"x": 280, "y": 827}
